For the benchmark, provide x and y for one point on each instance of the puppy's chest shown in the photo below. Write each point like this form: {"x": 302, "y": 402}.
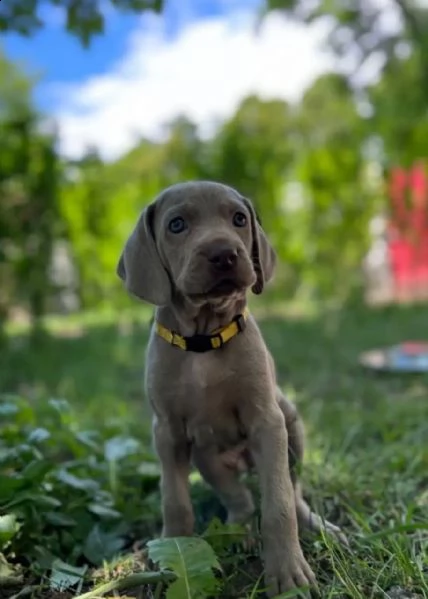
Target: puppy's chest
{"x": 203, "y": 372}
{"x": 210, "y": 395}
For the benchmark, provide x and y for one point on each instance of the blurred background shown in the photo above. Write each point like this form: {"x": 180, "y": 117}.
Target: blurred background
{"x": 315, "y": 110}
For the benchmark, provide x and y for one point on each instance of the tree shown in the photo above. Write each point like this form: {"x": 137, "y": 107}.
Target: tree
{"x": 400, "y": 116}
{"x": 253, "y": 151}
{"x": 328, "y": 230}
{"x": 183, "y": 152}
{"x": 83, "y": 18}
{"x": 29, "y": 179}
{"x": 365, "y": 28}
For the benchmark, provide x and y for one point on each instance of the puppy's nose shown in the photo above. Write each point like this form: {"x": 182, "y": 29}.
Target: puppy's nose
{"x": 224, "y": 259}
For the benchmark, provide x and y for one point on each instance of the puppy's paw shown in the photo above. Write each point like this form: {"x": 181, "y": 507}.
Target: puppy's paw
{"x": 335, "y": 532}
{"x": 293, "y": 573}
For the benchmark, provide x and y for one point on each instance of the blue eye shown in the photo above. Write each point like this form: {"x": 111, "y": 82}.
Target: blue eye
{"x": 177, "y": 225}
{"x": 239, "y": 219}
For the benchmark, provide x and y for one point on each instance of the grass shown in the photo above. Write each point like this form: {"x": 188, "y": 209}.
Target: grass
{"x": 366, "y": 463}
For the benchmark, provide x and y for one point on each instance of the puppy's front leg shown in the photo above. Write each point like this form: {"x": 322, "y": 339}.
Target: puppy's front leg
{"x": 285, "y": 565}
{"x": 174, "y": 455}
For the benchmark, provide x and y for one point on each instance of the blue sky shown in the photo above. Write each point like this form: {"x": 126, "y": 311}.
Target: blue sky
{"x": 199, "y": 59}
{"x": 60, "y": 57}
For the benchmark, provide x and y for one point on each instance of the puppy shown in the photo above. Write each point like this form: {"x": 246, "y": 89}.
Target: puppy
{"x": 195, "y": 253}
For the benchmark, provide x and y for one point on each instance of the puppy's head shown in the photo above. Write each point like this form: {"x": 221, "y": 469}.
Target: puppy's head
{"x": 198, "y": 240}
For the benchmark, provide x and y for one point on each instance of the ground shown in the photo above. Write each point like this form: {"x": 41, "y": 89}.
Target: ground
{"x": 365, "y": 469}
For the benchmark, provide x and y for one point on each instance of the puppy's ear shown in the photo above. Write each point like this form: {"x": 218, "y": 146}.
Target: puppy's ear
{"x": 262, "y": 254}
{"x": 140, "y": 266}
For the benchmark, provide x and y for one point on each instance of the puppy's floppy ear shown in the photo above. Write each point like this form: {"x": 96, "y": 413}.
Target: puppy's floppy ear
{"x": 262, "y": 254}
{"x": 140, "y": 266}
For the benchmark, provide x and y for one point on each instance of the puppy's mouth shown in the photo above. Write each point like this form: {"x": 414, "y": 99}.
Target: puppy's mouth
{"x": 224, "y": 287}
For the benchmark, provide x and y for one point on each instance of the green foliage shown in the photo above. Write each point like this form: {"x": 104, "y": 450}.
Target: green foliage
{"x": 400, "y": 117}
{"x": 192, "y": 560}
{"x": 367, "y": 474}
{"x": 222, "y": 537}
{"x": 308, "y": 168}
{"x": 82, "y": 18}
{"x": 29, "y": 179}
{"x": 64, "y": 491}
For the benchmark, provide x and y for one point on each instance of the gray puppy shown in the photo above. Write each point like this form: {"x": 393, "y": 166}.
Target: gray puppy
{"x": 195, "y": 253}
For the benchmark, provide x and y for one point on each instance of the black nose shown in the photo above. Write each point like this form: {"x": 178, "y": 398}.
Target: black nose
{"x": 224, "y": 259}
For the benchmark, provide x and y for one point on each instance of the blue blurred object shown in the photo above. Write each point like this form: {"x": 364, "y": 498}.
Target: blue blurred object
{"x": 409, "y": 356}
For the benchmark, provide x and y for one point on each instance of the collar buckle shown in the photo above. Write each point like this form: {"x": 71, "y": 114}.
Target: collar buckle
{"x": 203, "y": 343}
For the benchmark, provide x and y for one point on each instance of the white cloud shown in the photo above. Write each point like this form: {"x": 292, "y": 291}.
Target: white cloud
{"x": 204, "y": 73}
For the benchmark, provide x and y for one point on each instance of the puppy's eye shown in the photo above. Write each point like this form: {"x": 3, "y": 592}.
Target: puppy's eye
{"x": 177, "y": 225}
{"x": 239, "y": 219}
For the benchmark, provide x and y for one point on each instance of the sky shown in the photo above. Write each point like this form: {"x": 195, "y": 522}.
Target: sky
{"x": 199, "y": 59}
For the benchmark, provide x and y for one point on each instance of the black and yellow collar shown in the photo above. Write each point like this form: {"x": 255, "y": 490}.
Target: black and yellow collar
{"x": 203, "y": 343}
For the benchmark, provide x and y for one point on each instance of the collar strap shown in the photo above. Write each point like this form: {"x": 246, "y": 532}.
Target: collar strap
{"x": 203, "y": 343}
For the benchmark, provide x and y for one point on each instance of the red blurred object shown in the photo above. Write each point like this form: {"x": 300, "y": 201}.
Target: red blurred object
{"x": 408, "y": 231}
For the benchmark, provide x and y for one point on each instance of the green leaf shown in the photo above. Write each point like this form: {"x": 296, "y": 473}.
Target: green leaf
{"x": 192, "y": 560}
{"x": 59, "y": 519}
{"x": 149, "y": 469}
{"x": 83, "y": 484}
{"x": 38, "y": 435}
{"x": 37, "y": 499}
{"x": 118, "y": 448}
{"x": 101, "y": 545}
{"x": 64, "y": 577}
{"x": 8, "y": 529}
{"x": 8, "y": 408}
{"x": 19, "y": 452}
{"x": 60, "y": 405}
{"x": 8, "y": 487}
{"x": 222, "y": 537}
{"x": 89, "y": 439}
{"x": 104, "y": 511}
{"x": 36, "y": 470}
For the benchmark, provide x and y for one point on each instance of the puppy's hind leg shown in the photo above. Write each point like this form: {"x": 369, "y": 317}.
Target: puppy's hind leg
{"x": 306, "y": 518}
{"x": 224, "y": 480}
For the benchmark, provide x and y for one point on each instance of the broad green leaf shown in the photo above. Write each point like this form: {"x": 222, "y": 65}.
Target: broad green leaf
{"x": 59, "y": 519}
{"x": 193, "y": 560}
{"x": 101, "y": 545}
{"x": 38, "y": 435}
{"x": 37, "y": 499}
{"x": 83, "y": 484}
{"x": 8, "y": 529}
{"x": 64, "y": 577}
{"x": 103, "y": 511}
{"x": 36, "y": 470}
{"x": 118, "y": 448}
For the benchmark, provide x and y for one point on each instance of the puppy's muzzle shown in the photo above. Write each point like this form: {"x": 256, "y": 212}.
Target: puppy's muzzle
{"x": 223, "y": 259}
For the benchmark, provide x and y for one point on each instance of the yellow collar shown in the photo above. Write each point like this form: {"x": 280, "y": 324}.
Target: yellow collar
{"x": 203, "y": 343}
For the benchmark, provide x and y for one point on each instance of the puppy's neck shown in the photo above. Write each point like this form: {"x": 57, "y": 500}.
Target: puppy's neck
{"x": 187, "y": 318}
